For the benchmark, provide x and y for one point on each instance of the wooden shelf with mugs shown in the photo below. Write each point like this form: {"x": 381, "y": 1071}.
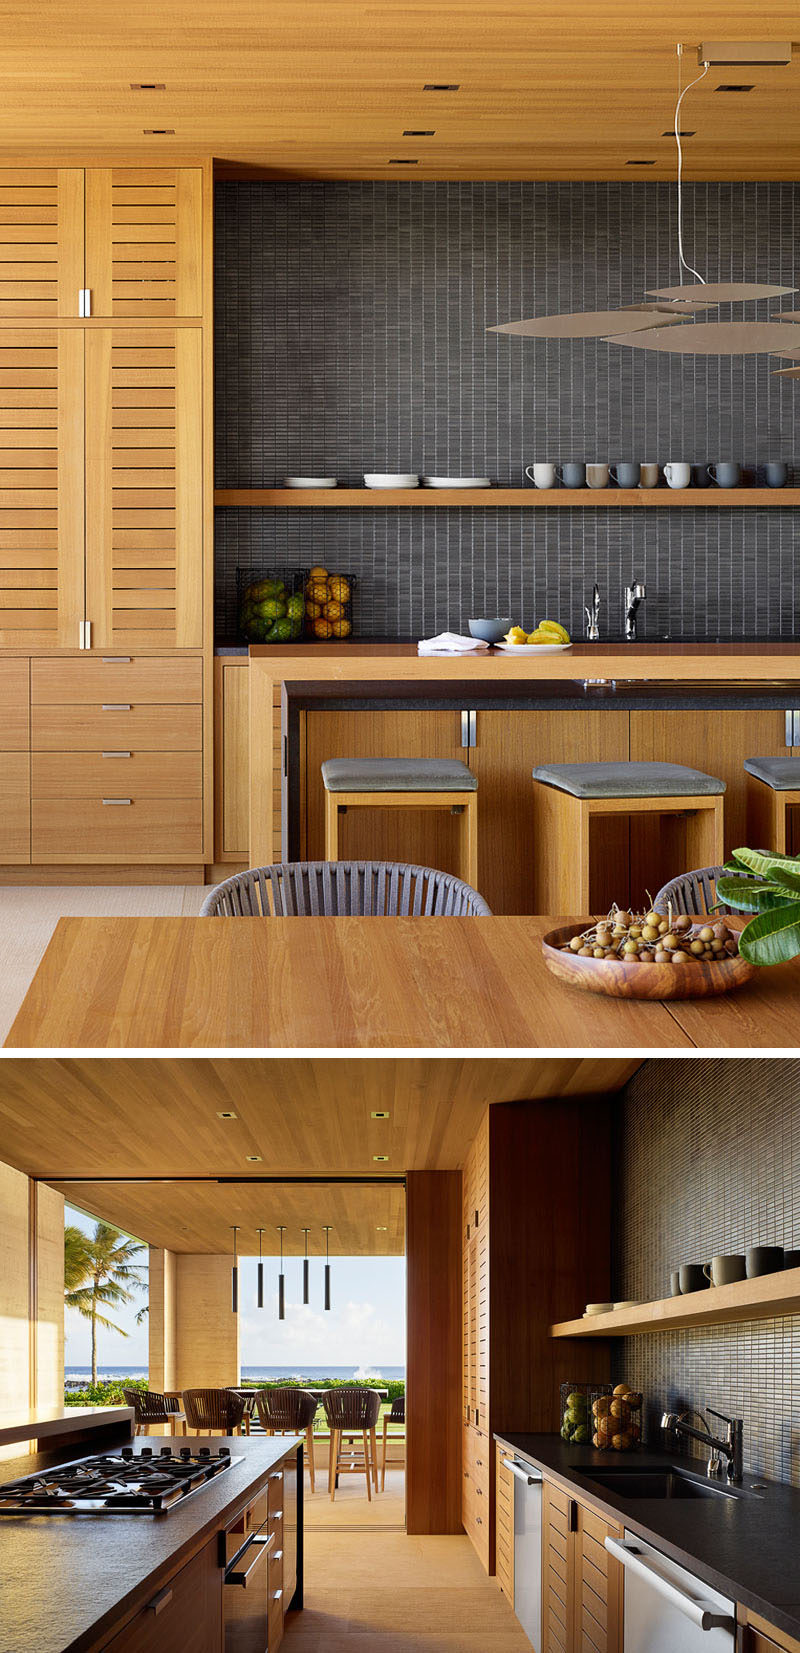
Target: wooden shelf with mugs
{"x": 426, "y": 498}
{"x": 760, "y": 1298}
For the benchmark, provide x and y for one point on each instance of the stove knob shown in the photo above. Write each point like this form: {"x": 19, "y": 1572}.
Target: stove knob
{"x": 147, "y": 1452}
{"x": 166, "y": 1451}
{"x": 186, "y": 1453}
{"x": 224, "y": 1452}
{"x": 205, "y": 1452}
{"x": 127, "y": 1452}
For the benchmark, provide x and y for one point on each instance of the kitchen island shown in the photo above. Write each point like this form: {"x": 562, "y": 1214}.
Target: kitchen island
{"x": 148, "y": 1583}
{"x": 502, "y": 715}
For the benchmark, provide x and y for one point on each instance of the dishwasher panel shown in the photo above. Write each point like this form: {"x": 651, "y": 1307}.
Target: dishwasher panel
{"x": 666, "y": 1607}
{"x": 527, "y": 1548}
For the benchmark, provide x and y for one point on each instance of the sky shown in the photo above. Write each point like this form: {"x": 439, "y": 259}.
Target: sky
{"x": 365, "y": 1327}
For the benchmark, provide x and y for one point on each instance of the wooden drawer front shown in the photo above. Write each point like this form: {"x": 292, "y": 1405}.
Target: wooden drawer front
{"x": 275, "y": 1609}
{"x": 598, "y": 1608}
{"x": 14, "y": 705}
{"x": 183, "y": 1616}
{"x": 137, "y": 680}
{"x": 476, "y": 1524}
{"x": 86, "y": 829}
{"x": 15, "y": 809}
{"x": 111, "y": 774}
{"x": 137, "y": 729}
{"x": 557, "y": 1560}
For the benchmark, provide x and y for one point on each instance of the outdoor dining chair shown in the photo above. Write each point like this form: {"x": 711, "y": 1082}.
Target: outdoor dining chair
{"x": 350, "y": 1413}
{"x": 214, "y": 1411}
{"x": 288, "y": 1411}
{"x": 152, "y": 1407}
{"x": 330, "y": 889}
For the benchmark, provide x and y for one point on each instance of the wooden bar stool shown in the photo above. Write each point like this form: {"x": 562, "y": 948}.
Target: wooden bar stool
{"x": 568, "y": 797}
{"x": 773, "y": 787}
{"x": 351, "y": 1413}
{"x": 403, "y": 783}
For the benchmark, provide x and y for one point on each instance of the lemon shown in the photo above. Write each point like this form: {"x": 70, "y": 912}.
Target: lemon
{"x": 559, "y": 633}
{"x": 515, "y": 635}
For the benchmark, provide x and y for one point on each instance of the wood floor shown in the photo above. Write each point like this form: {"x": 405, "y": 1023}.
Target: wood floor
{"x": 370, "y": 1589}
{"x": 29, "y": 914}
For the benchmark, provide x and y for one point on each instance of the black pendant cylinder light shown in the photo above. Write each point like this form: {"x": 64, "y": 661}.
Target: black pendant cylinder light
{"x": 327, "y": 1272}
{"x": 305, "y": 1269}
{"x": 235, "y": 1271}
{"x": 281, "y": 1281}
{"x": 260, "y": 1232}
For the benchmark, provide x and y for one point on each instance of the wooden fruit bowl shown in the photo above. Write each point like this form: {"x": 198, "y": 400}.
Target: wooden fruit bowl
{"x": 696, "y": 980}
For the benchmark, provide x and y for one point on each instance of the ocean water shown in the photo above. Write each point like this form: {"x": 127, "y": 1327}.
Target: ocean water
{"x": 76, "y": 1376}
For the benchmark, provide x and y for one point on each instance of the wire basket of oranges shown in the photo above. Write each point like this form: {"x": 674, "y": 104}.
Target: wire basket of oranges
{"x": 617, "y": 1419}
{"x": 328, "y": 599}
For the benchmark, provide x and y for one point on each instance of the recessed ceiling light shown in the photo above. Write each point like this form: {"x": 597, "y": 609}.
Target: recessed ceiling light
{"x": 734, "y": 88}
{"x": 253, "y": 1159}
{"x": 381, "y": 1229}
{"x": 159, "y": 131}
{"x": 147, "y": 86}
{"x": 684, "y": 133}
{"x": 380, "y": 1159}
{"x": 226, "y": 1113}
{"x": 402, "y": 160}
{"x": 441, "y": 86}
{"x": 640, "y": 163}
{"x": 419, "y": 132}
{"x": 381, "y": 1113}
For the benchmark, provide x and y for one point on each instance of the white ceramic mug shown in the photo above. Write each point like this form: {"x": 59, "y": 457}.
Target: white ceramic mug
{"x": 542, "y": 476}
{"x": 678, "y": 475}
{"x": 597, "y": 476}
{"x": 648, "y": 476}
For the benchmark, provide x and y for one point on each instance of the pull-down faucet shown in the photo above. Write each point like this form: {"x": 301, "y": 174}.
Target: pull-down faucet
{"x": 634, "y": 595}
{"x": 727, "y": 1450}
{"x": 593, "y": 616}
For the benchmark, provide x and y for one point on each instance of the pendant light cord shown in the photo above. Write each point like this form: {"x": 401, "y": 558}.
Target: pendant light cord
{"x": 681, "y": 95}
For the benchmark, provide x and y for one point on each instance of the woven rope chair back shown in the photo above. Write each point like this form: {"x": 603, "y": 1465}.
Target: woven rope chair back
{"x": 327, "y": 889}
{"x": 149, "y": 1405}
{"x": 398, "y": 1410}
{"x": 217, "y": 1409}
{"x": 351, "y": 1408}
{"x": 286, "y": 1408}
{"x": 694, "y": 892}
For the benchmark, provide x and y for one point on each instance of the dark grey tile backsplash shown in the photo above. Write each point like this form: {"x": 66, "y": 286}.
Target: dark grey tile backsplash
{"x": 708, "y": 1160}
{"x": 351, "y": 336}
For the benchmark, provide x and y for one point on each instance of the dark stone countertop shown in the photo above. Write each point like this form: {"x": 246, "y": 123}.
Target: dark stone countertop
{"x": 748, "y": 1547}
{"x": 66, "y": 1581}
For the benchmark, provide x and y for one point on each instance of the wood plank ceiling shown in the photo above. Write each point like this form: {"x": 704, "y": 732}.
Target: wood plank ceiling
{"x": 335, "y": 88}
{"x": 85, "y": 1125}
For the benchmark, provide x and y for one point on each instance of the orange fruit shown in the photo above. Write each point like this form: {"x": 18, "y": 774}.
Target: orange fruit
{"x": 339, "y": 587}
{"x": 313, "y": 610}
{"x": 317, "y": 590}
{"x": 318, "y": 573}
{"x": 323, "y": 628}
{"x": 333, "y": 611}
{"x": 341, "y": 628}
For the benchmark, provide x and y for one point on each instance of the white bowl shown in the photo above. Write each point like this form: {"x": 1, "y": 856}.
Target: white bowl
{"x": 597, "y": 1308}
{"x": 628, "y": 1303}
{"x": 379, "y": 479}
{"x": 309, "y": 482}
{"x": 457, "y": 481}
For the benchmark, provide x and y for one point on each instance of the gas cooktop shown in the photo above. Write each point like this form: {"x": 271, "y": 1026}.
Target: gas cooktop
{"x": 146, "y": 1481}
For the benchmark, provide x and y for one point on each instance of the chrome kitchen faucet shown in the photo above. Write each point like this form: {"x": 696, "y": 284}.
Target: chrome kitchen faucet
{"x": 634, "y": 595}
{"x": 592, "y": 617}
{"x": 728, "y": 1451}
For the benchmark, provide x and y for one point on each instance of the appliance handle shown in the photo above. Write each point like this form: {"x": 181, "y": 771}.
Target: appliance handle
{"x": 261, "y": 1547}
{"x": 703, "y": 1616}
{"x": 521, "y": 1474}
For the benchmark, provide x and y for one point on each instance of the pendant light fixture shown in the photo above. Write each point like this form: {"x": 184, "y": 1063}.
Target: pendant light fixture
{"x": 305, "y": 1269}
{"x": 327, "y": 1271}
{"x": 235, "y": 1271}
{"x": 260, "y": 1232}
{"x": 655, "y": 323}
{"x": 281, "y": 1280}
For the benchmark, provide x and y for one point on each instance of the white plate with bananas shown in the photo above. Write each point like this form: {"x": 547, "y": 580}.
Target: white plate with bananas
{"x": 532, "y": 648}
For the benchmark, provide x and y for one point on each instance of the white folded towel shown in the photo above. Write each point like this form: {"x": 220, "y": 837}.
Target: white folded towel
{"x": 449, "y": 642}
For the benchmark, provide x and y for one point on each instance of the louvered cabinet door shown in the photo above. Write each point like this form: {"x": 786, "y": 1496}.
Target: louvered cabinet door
{"x": 41, "y": 242}
{"x": 144, "y": 518}
{"x": 144, "y": 241}
{"x": 41, "y": 487}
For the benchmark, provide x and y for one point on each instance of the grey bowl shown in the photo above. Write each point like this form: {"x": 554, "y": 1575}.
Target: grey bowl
{"x": 489, "y": 631}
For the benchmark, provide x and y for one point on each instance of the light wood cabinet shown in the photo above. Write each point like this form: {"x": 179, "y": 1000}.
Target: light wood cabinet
{"x": 504, "y": 1525}
{"x": 130, "y": 237}
{"x": 231, "y": 759}
{"x": 758, "y": 1636}
{"x": 15, "y": 789}
{"x": 183, "y": 1616}
{"x": 582, "y": 1585}
{"x": 536, "y": 1229}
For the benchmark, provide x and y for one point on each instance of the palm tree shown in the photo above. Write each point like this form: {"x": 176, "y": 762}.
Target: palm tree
{"x": 99, "y": 1272}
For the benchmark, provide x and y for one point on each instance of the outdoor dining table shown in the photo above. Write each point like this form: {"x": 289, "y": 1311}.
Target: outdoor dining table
{"x": 375, "y": 983}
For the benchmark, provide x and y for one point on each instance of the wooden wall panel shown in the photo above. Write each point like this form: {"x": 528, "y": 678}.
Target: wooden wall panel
{"x": 162, "y": 1319}
{"x": 206, "y": 1330}
{"x": 49, "y": 1350}
{"x": 14, "y": 1296}
{"x": 433, "y": 1384}
{"x": 41, "y": 241}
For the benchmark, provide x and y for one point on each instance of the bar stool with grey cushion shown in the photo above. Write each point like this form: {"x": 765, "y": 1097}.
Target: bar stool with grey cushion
{"x": 403, "y": 783}
{"x": 329, "y": 889}
{"x": 349, "y": 1413}
{"x": 396, "y": 1417}
{"x": 695, "y": 893}
{"x": 773, "y": 791}
{"x": 288, "y": 1411}
{"x": 151, "y": 1407}
{"x": 568, "y": 797}
{"x": 214, "y": 1411}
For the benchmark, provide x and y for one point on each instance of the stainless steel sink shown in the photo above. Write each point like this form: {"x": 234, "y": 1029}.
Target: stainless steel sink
{"x": 655, "y": 1483}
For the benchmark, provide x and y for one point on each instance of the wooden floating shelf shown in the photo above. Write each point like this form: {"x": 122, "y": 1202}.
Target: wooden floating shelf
{"x": 761, "y": 1299}
{"x": 593, "y": 498}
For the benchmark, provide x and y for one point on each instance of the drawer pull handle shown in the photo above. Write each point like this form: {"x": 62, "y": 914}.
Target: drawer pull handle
{"x": 277, "y": 1555}
{"x": 117, "y": 800}
{"x": 114, "y": 708}
{"x": 160, "y": 1601}
{"x": 116, "y": 754}
{"x": 116, "y": 659}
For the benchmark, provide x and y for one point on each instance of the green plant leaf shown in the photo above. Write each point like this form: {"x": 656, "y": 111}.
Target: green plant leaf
{"x": 762, "y": 861}
{"x": 786, "y": 879}
{"x": 772, "y": 937}
{"x": 750, "y": 897}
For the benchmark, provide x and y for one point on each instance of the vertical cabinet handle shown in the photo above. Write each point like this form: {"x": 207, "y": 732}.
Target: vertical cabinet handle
{"x": 159, "y": 1602}
{"x": 789, "y": 729}
{"x": 469, "y": 722}
{"x": 84, "y": 301}
{"x": 573, "y": 1515}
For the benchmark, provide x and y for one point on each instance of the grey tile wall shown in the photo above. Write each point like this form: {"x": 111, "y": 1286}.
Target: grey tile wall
{"x": 708, "y": 1160}
{"x": 351, "y": 335}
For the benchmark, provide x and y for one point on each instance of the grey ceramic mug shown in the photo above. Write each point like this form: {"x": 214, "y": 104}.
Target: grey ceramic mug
{"x": 625, "y": 476}
{"x": 791, "y": 1259}
{"x": 700, "y": 476}
{"x": 763, "y": 1259}
{"x": 728, "y": 474}
{"x": 597, "y": 476}
{"x": 571, "y": 476}
{"x": 675, "y": 1283}
{"x": 693, "y": 1277}
{"x": 776, "y": 474}
{"x": 724, "y": 1269}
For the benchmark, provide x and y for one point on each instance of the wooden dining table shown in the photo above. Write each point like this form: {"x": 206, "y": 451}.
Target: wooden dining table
{"x": 367, "y": 983}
